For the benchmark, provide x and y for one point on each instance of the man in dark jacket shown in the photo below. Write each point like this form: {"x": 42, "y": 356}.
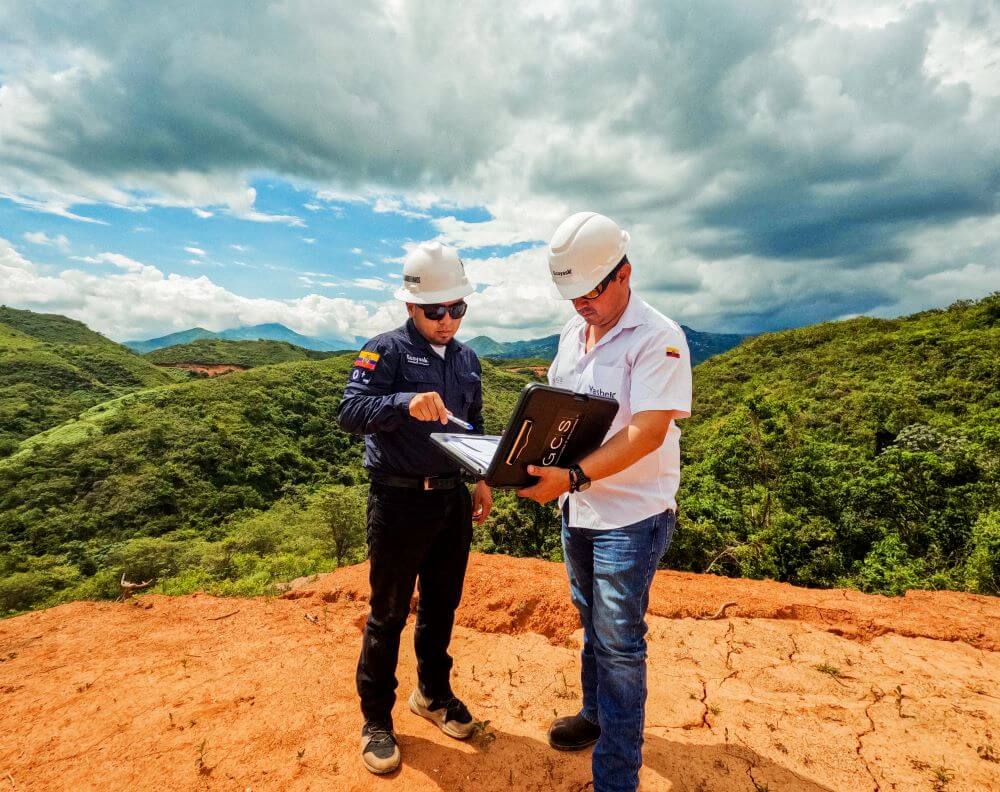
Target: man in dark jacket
{"x": 404, "y": 385}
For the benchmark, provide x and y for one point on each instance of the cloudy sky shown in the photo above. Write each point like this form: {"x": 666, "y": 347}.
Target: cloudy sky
{"x": 776, "y": 162}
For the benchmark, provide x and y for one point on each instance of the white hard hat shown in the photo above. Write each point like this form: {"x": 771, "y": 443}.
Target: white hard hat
{"x": 433, "y": 273}
{"x": 583, "y": 250}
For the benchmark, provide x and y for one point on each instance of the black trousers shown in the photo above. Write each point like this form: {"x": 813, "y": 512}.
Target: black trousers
{"x": 413, "y": 535}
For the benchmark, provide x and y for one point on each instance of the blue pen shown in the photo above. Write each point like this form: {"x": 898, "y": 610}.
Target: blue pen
{"x": 464, "y": 424}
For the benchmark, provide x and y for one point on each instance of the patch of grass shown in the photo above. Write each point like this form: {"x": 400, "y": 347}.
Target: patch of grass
{"x": 830, "y": 670}
{"x": 941, "y": 776}
{"x": 482, "y": 736}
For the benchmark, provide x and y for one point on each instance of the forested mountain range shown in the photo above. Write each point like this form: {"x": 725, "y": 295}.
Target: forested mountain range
{"x": 860, "y": 453}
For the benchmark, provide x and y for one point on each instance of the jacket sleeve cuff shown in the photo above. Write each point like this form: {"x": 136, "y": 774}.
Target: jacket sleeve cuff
{"x": 401, "y": 402}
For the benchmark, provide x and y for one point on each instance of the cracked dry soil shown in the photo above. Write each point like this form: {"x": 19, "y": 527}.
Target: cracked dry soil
{"x": 795, "y": 690}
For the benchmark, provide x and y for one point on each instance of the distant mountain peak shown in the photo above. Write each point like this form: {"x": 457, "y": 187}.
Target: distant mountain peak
{"x": 268, "y": 331}
{"x": 702, "y": 345}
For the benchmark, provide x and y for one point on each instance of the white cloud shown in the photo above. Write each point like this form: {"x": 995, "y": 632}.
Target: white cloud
{"x": 53, "y": 206}
{"x": 141, "y": 301}
{"x": 356, "y": 251}
{"x": 387, "y": 205}
{"x": 240, "y": 248}
{"x": 202, "y": 213}
{"x": 195, "y": 251}
{"x": 373, "y": 284}
{"x": 340, "y": 196}
{"x": 308, "y": 240}
{"x": 515, "y": 299}
{"x": 41, "y": 238}
{"x": 117, "y": 259}
{"x": 798, "y": 154}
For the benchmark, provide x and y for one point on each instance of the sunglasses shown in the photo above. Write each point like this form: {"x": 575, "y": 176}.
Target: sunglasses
{"x": 437, "y": 311}
{"x": 598, "y": 290}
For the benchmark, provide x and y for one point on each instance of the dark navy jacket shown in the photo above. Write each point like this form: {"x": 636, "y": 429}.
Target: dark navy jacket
{"x": 390, "y": 370}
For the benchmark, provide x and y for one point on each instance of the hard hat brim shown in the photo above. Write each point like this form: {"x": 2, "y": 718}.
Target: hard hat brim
{"x": 430, "y": 298}
{"x": 570, "y": 291}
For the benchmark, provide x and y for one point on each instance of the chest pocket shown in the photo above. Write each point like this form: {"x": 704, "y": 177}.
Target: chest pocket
{"x": 469, "y": 382}
{"x": 419, "y": 379}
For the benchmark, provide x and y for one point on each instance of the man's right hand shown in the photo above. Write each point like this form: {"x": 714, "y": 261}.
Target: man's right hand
{"x": 428, "y": 407}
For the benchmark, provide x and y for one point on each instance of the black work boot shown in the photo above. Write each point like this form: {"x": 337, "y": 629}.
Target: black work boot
{"x": 379, "y": 751}
{"x": 573, "y": 733}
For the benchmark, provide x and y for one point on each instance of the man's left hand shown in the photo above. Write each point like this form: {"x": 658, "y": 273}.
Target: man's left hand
{"x": 552, "y": 482}
{"x": 482, "y": 502}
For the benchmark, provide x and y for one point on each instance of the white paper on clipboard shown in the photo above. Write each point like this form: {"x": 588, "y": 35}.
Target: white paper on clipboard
{"x": 478, "y": 450}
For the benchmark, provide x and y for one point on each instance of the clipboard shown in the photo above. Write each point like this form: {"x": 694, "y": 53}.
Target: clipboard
{"x": 549, "y": 427}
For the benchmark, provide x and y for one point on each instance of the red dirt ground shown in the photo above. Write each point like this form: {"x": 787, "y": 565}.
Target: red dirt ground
{"x": 792, "y": 689}
{"x": 208, "y": 369}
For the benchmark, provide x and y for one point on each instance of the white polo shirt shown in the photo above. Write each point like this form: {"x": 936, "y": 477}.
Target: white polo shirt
{"x": 642, "y": 363}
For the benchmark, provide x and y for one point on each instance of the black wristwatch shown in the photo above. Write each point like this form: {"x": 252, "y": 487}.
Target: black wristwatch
{"x": 578, "y": 481}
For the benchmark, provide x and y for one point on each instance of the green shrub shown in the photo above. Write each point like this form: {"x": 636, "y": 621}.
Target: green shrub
{"x": 982, "y": 570}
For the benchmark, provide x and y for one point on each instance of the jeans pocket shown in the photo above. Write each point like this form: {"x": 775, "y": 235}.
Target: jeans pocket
{"x": 663, "y": 533}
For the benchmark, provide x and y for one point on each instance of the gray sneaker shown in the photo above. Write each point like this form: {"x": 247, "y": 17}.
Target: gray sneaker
{"x": 379, "y": 751}
{"x": 450, "y": 716}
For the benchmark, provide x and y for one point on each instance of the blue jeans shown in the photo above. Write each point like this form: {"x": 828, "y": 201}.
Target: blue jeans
{"x": 610, "y": 573}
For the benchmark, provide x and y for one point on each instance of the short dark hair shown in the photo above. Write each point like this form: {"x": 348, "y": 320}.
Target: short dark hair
{"x": 606, "y": 280}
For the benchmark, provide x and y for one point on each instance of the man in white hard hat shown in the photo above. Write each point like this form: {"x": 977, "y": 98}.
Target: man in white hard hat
{"x": 405, "y": 384}
{"x": 618, "y": 502}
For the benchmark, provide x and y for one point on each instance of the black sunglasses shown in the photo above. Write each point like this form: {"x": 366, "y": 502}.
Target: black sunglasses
{"x": 598, "y": 290}
{"x": 437, "y": 311}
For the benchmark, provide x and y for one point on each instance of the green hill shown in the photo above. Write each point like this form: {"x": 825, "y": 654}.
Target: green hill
{"x": 53, "y": 368}
{"x": 53, "y": 328}
{"x": 861, "y": 453}
{"x": 241, "y": 353}
{"x": 228, "y": 484}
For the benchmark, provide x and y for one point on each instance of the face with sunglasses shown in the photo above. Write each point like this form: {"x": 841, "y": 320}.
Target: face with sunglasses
{"x": 605, "y": 303}
{"x": 438, "y": 322}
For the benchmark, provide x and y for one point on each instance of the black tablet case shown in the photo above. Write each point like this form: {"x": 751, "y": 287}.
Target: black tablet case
{"x": 550, "y": 427}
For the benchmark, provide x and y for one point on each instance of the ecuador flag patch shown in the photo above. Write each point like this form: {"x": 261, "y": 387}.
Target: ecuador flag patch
{"x": 367, "y": 360}
{"x": 673, "y": 352}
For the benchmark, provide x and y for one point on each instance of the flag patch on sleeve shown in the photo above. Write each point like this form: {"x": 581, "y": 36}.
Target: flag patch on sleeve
{"x": 367, "y": 360}
{"x": 673, "y": 352}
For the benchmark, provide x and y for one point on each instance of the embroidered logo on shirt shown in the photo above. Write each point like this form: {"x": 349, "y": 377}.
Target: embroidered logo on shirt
{"x": 673, "y": 352}
{"x": 598, "y": 392}
{"x": 417, "y": 361}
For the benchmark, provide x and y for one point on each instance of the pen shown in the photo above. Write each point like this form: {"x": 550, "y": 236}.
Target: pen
{"x": 460, "y": 422}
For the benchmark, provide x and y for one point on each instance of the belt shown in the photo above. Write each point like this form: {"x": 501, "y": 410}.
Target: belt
{"x": 425, "y": 483}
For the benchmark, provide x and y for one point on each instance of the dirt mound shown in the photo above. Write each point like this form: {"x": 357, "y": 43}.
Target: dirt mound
{"x": 504, "y": 595}
{"x": 790, "y": 690}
